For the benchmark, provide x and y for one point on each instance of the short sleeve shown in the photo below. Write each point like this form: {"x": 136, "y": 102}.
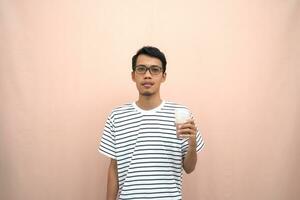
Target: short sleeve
{"x": 107, "y": 144}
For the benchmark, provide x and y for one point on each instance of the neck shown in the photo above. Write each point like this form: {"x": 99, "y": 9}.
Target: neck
{"x": 148, "y": 102}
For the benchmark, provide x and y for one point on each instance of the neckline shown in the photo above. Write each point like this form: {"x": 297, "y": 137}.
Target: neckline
{"x": 153, "y": 110}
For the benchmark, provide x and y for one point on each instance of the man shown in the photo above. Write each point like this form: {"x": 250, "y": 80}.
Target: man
{"x": 147, "y": 157}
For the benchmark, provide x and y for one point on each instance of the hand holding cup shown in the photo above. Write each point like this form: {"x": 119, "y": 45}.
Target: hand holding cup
{"x": 185, "y": 126}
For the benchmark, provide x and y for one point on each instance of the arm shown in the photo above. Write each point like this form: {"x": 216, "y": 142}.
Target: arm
{"x": 190, "y": 159}
{"x": 112, "y": 181}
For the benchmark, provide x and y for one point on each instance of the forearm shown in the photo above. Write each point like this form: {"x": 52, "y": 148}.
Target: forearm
{"x": 112, "y": 181}
{"x": 190, "y": 160}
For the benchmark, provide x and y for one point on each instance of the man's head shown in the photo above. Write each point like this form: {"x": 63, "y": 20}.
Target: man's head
{"x": 152, "y": 52}
{"x": 148, "y": 70}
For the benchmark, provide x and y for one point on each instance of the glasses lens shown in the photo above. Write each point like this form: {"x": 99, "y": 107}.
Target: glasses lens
{"x": 141, "y": 69}
{"x": 155, "y": 70}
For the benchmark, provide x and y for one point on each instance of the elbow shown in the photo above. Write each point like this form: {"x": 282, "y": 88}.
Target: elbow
{"x": 189, "y": 167}
{"x": 189, "y": 170}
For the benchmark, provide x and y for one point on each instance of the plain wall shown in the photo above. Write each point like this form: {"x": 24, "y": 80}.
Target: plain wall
{"x": 64, "y": 65}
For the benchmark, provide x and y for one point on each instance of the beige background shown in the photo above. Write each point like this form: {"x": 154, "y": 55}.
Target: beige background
{"x": 64, "y": 65}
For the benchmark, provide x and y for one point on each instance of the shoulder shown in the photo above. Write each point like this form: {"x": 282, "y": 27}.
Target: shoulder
{"x": 125, "y": 108}
{"x": 173, "y": 105}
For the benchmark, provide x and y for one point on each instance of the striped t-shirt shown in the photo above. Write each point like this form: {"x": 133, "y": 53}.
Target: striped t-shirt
{"x": 148, "y": 153}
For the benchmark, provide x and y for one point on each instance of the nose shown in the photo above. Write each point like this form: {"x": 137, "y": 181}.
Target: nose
{"x": 147, "y": 74}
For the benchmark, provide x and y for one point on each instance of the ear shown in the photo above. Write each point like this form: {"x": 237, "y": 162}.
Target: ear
{"x": 164, "y": 76}
{"x": 133, "y": 76}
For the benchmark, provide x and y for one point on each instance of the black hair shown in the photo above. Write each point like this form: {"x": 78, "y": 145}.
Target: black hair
{"x": 152, "y": 52}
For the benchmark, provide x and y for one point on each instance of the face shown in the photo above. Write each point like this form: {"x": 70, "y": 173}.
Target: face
{"x": 148, "y": 84}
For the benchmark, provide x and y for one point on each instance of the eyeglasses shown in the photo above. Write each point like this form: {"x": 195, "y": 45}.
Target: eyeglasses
{"x": 153, "y": 69}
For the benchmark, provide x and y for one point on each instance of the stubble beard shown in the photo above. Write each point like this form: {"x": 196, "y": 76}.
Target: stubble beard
{"x": 147, "y": 94}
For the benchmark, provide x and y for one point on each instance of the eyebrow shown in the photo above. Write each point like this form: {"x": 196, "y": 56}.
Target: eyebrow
{"x": 148, "y": 66}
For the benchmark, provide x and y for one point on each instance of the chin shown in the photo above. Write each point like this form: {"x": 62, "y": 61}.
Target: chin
{"x": 147, "y": 94}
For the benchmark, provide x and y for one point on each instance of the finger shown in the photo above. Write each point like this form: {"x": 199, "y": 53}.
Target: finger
{"x": 187, "y": 131}
{"x": 188, "y": 125}
{"x": 186, "y": 136}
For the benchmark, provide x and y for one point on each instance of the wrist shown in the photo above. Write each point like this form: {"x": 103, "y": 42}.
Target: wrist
{"x": 192, "y": 143}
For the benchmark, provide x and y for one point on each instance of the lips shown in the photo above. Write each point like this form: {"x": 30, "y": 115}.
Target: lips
{"x": 147, "y": 84}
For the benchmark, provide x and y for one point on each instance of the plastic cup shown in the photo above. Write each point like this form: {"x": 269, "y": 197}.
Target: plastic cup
{"x": 181, "y": 117}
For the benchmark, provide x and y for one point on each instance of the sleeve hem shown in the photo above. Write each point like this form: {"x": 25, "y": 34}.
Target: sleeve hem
{"x": 200, "y": 149}
{"x": 106, "y": 154}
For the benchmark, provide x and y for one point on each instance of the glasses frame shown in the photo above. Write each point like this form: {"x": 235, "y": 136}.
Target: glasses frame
{"x": 148, "y": 69}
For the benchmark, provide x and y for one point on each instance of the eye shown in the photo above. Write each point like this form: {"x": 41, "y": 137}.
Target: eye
{"x": 140, "y": 69}
{"x": 156, "y": 69}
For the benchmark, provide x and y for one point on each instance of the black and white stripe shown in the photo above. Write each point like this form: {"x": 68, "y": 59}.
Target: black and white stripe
{"x": 147, "y": 151}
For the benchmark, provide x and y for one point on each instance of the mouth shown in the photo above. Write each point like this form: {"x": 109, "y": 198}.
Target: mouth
{"x": 147, "y": 84}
